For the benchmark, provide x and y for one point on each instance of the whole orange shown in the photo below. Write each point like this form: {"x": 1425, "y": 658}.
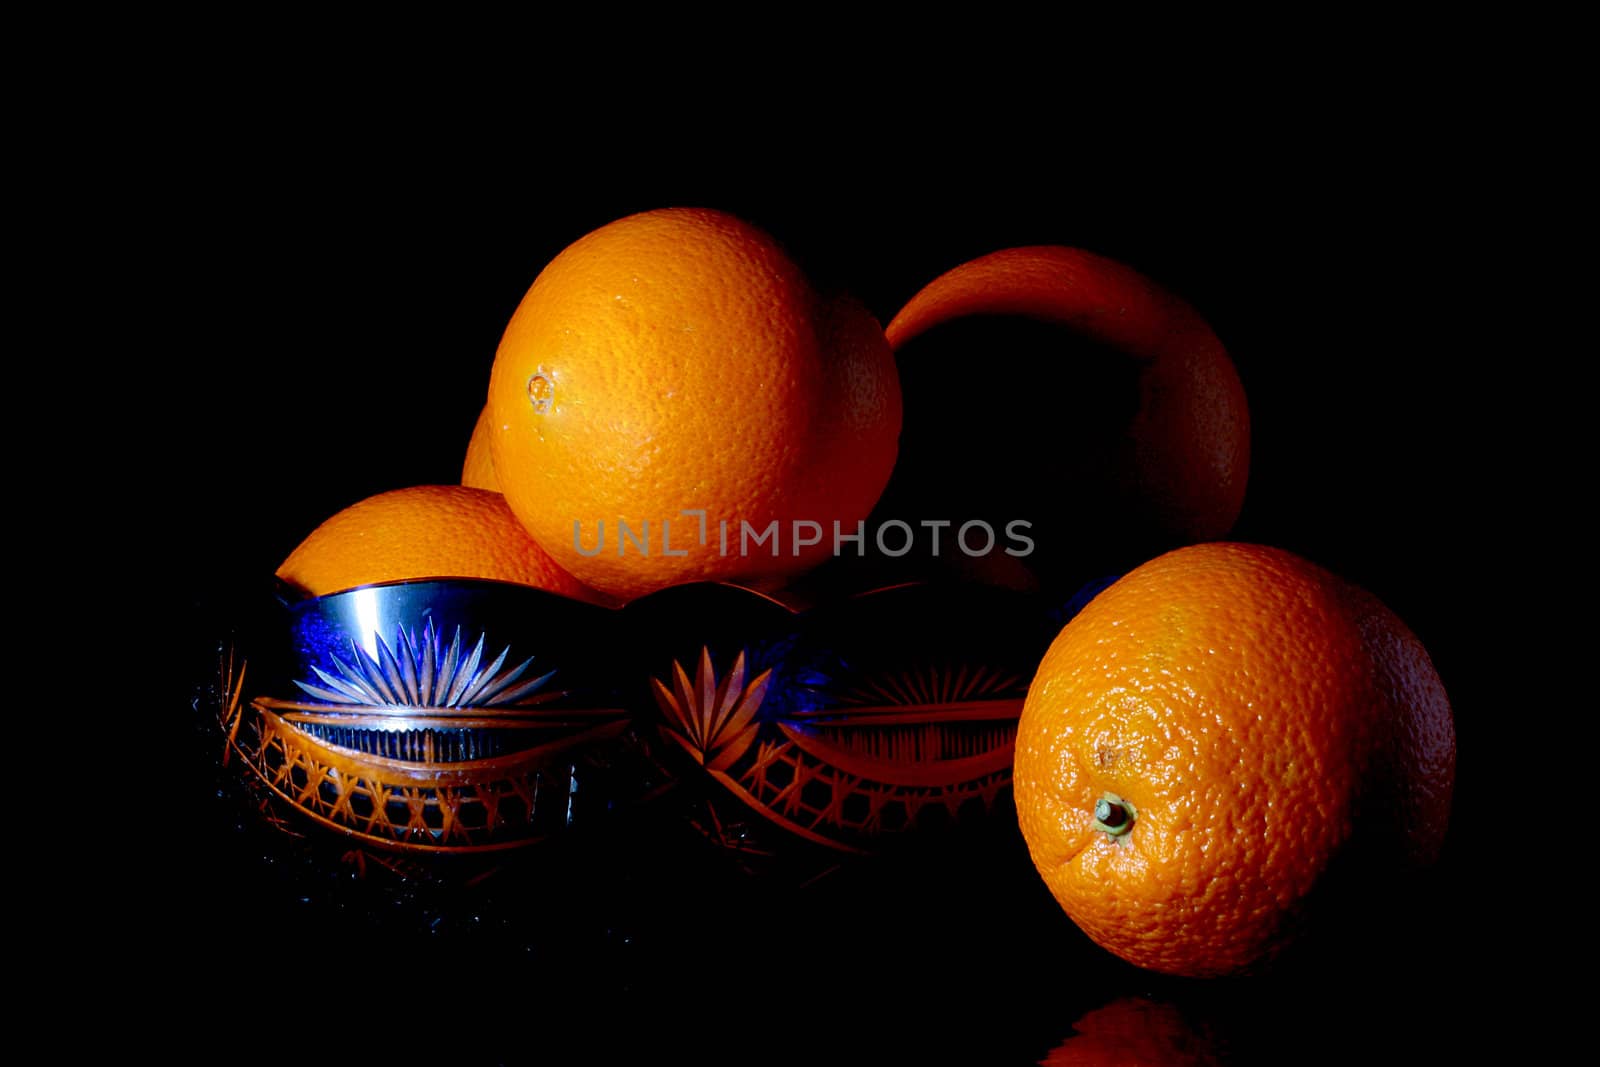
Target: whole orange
{"x": 426, "y": 531}
{"x": 1208, "y": 736}
{"x": 679, "y": 361}
{"x": 477, "y": 470}
{"x": 1186, "y": 454}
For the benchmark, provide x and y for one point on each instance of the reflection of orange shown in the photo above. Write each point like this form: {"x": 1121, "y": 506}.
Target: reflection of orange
{"x": 1245, "y": 717}
{"x": 678, "y": 360}
{"x": 477, "y": 471}
{"x": 427, "y": 531}
{"x": 1134, "y": 1031}
{"x": 1189, "y": 447}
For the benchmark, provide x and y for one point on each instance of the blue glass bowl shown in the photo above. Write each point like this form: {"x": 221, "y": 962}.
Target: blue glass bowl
{"x": 448, "y": 718}
{"x": 433, "y": 717}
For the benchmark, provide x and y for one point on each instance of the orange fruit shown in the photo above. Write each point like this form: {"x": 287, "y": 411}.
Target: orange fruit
{"x": 1186, "y": 455}
{"x": 477, "y": 471}
{"x": 1208, "y": 736}
{"x": 678, "y": 360}
{"x": 427, "y": 531}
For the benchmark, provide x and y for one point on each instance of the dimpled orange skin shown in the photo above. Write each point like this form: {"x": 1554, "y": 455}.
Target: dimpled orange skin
{"x": 425, "y": 531}
{"x": 1188, "y": 449}
{"x": 684, "y": 362}
{"x": 1261, "y": 716}
{"x": 477, "y": 470}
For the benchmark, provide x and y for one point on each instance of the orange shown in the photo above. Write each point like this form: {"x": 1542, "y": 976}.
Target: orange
{"x": 427, "y": 531}
{"x": 678, "y": 360}
{"x": 1208, "y": 736}
{"x": 477, "y": 471}
{"x": 1187, "y": 452}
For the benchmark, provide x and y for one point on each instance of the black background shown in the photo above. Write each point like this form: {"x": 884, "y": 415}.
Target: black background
{"x": 338, "y": 310}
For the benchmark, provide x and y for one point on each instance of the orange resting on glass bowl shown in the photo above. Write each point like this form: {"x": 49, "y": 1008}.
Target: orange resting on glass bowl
{"x": 425, "y": 531}
{"x": 679, "y": 361}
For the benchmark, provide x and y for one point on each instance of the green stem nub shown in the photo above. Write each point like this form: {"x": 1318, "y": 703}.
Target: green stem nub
{"x": 1113, "y": 815}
